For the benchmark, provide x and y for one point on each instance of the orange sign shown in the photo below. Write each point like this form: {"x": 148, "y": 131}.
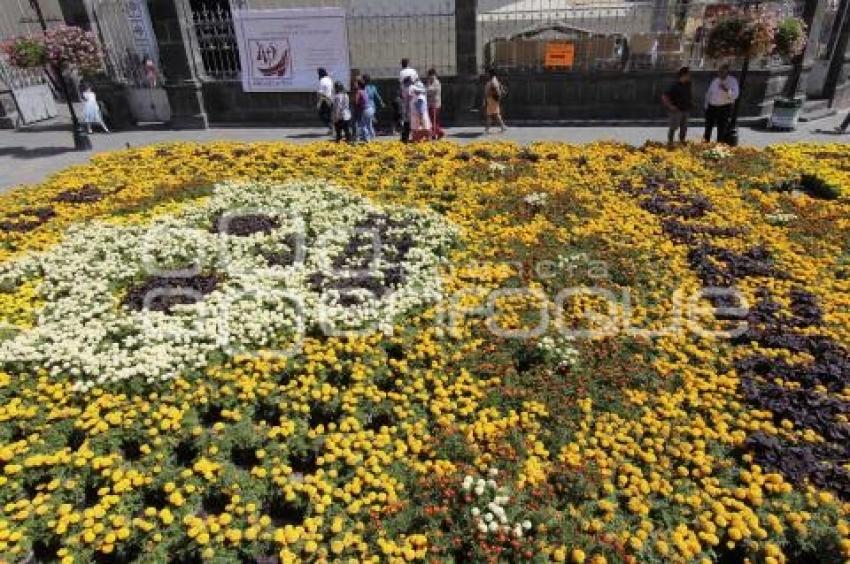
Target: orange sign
{"x": 560, "y": 54}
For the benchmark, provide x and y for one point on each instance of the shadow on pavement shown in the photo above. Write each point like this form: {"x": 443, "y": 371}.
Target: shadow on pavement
{"x": 307, "y": 136}
{"x": 466, "y": 135}
{"x": 830, "y": 132}
{"x": 33, "y": 152}
{"x": 46, "y": 126}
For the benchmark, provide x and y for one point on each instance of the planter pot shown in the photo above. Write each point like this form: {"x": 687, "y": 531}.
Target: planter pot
{"x": 786, "y": 113}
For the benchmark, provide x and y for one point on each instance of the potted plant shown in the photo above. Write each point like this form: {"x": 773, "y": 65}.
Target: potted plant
{"x": 58, "y": 50}
{"x": 748, "y": 33}
{"x": 789, "y": 43}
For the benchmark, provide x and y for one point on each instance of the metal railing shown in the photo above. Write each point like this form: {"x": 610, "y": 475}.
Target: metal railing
{"x": 380, "y": 34}
{"x": 216, "y": 41}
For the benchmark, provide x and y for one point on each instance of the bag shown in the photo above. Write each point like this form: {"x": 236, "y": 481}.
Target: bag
{"x": 346, "y": 114}
{"x": 372, "y": 92}
{"x": 497, "y": 92}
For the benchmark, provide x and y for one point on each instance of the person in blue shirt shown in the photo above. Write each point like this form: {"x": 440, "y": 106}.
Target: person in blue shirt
{"x": 374, "y": 103}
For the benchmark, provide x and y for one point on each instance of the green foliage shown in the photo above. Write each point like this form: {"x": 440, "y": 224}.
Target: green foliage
{"x": 790, "y": 37}
{"x": 741, "y": 33}
{"x": 26, "y": 52}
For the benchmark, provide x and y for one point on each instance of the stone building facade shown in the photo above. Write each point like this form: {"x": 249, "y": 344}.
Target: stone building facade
{"x": 457, "y": 37}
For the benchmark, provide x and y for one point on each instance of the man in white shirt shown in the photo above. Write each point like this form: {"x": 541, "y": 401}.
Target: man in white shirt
{"x": 407, "y": 71}
{"x": 325, "y": 96}
{"x": 719, "y": 101}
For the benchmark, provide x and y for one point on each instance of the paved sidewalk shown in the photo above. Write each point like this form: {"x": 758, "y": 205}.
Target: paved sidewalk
{"x": 28, "y": 155}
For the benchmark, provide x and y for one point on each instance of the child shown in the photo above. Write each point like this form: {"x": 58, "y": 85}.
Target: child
{"x": 341, "y": 113}
{"x": 420, "y": 122}
{"x": 91, "y": 111}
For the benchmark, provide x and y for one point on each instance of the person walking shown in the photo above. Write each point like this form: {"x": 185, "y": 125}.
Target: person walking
{"x": 719, "y": 100}
{"x": 493, "y": 93}
{"x": 435, "y": 101}
{"x": 678, "y": 99}
{"x": 341, "y": 113}
{"x": 325, "y": 95}
{"x": 91, "y": 110}
{"x": 405, "y": 98}
{"x": 365, "y": 113}
{"x": 420, "y": 122}
{"x": 375, "y": 100}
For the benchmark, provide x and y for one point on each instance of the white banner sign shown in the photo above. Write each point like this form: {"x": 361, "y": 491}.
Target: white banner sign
{"x": 280, "y": 50}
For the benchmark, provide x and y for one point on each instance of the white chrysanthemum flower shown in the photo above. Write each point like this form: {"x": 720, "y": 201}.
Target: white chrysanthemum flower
{"x": 85, "y": 332}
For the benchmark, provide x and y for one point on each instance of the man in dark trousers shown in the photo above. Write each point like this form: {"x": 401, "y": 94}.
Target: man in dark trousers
{"x": 719, "y": 101}
{"x": 678, "y": 99}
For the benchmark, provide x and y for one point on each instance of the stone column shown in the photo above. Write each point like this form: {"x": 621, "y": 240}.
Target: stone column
{"x": 179, "y": 63}
{"x": 466, "y": 37}
{"x": 462, "y": 97}
{"x": 813, "y": 11}
{"x": 839, "y": 64}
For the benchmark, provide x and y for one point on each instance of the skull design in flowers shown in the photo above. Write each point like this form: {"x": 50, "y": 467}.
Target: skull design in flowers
{"x": 248, "y": 270}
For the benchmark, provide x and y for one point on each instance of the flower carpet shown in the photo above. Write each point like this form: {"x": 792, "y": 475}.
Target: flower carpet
{"x": 274, "y": 353}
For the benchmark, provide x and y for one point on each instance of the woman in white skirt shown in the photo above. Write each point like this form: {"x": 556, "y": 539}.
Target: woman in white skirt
{"x": 91, "y": 111}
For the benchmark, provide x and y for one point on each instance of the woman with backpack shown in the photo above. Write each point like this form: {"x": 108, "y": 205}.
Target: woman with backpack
{"x": 493, "y": 93}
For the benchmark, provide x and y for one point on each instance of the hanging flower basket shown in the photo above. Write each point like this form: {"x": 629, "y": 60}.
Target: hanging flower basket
{"x": 790, "y": 38}
{"x": 57, "y": 48}
{"x": 741, "y": 33}
{"x": 25, "y": 52}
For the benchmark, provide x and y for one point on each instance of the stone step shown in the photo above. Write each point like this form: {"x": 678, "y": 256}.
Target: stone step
{"x": 814, "y": 105}
{"x": 816, "y": 109}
